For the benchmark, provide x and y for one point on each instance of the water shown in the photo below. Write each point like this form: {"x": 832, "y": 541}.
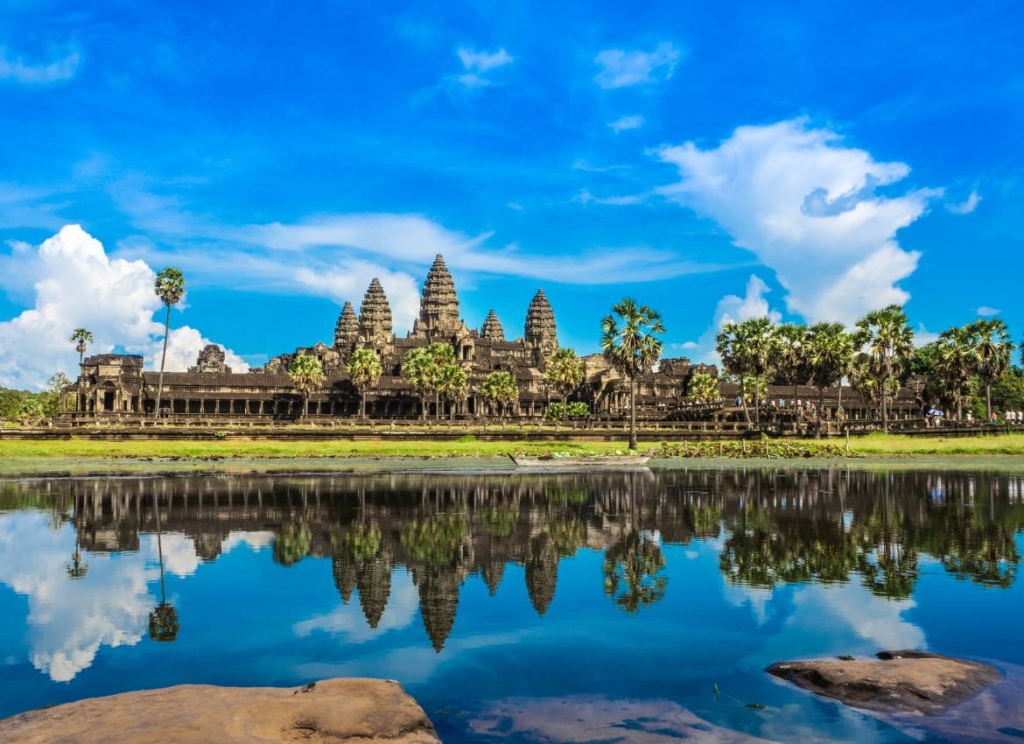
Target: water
{"x": 597, "y": 607}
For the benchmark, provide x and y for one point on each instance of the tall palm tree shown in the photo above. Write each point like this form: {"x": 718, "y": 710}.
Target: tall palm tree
{"x": 887, "y": 338}
{"x": 82, "y": 337}
{"x": 307, "y": 374}
{"x": 630, "y": 342}
{"x": 452, "y": 385}
{"x": 992, "y": 346}
{"x": 364, "y": 369}
{"x": 418, "y": 370}
{"x": 730, "y": 343}
{"x": 564, "y": 373}
{"x": 956, "y": 364}
{"x": 702, "y": 388}
{"x": 440, "y": 354}
{"x": 829, "y": 355}
{"x": 170, "y": 288}
{"x": 499, "y": 389}
{"x": 762, "y": 354}
{"x": 792, "y": 362}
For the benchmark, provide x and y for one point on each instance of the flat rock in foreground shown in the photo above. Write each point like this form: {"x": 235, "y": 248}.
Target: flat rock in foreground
{"x": 896, "y": 682}
{"x": 335, "y": 710}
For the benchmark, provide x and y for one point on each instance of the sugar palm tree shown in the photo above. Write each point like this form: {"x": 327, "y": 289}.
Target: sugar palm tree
{"x": 992, "y": 346}
{"x": 452, "y": 385}
{"x": 702, "y": 388}
{"x": 418, "y": 371}
{"x": 499, "y": 389}
{"x": 730, "y": 343}
{"x": 170, "y": 288}
{"x": 163, "y": 620}
{"x": 889, "y": 342}
{"x": 307, "y": 374}
{"x": 792, "y": 361}
{"x": 762, "y": 354}
{"x": 82, "y": 337}
{"x": 564, "y": 373}
{"x": 364, "y": 369}
{"x": 440, "y": 354}
{"x": 956, "y": 364}
{"x": 829, "y": 357}
{"x": 630, "y": 342}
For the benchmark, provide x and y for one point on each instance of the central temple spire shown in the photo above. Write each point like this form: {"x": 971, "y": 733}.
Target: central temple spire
{"x": 439, "y": 304}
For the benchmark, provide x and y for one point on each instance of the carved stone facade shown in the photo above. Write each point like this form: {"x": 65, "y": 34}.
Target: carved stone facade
{"x": 211, "y": 359}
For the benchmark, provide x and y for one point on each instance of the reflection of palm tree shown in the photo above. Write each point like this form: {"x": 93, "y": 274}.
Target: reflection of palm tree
{"x": 163, "y": 621}
{"x": 77, "y": 569}
{"x": 633, "y": 564}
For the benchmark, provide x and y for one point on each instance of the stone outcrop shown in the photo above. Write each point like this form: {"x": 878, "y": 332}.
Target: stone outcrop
{"x": 439, "y": 305}
{"x": 375, "y": 317}
{"x": 540, "y": 332}
{"x": 492, "y": 330}
{"x": 335, "y": 710}
{"x": 896, "y": 682}
{"x": 211, "y": 359}
{"x": 346, "y": 330}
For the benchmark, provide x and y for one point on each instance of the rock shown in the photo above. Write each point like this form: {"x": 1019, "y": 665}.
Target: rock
{"x": 335, "y": 710}
{"x": 898, "y": 682}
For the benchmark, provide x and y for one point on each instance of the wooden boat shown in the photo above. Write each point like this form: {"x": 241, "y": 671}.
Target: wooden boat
{"x": 610, "y": 462}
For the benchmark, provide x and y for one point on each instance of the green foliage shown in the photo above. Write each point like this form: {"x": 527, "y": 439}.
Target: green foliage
{"x": 554, "y": 412}
{"x": 577, "y": 410}
{"x": 364, "y": 369}
{"x": 307, "y": 374}
{"x": 500, "y": 390}
{"x": 564, "y": 374}
{"x": 771, "y": 448}
{"x": 452, "y": 384}
{"x": 364, "y": 541}
{"x": 292, "y": 543}
{"x": 30, "y": 412}
{"x": 702, "y": 388}
{"x": 500, "y": 521}
{"x": 632, "y": 572}
{"x": 630, "y": 341}
{"x": 163, "y": 623}
{"x": 170, "y": 286}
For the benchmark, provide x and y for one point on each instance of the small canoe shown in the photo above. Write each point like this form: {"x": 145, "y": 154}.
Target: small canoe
{"x": 611, "y": 462}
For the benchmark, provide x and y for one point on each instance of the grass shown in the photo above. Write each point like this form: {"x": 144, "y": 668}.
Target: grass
{"x": 84, "y": 455}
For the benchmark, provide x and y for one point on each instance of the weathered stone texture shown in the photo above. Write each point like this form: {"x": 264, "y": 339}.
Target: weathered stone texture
{"x": 375, "y": 317}
{"x": 346, "y": 331}
{"x": 492, "y": 330}
{"x": 211, "y": 359}
{"x": 336, "y": 710}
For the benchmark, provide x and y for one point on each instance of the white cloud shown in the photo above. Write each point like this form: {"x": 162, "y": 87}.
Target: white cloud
{"x": 966, "y": 207}
{"x": 732, "y": 309}
{"x": 477, "y": 64}
{"x": 76, "y": 285}
{"x": 620, "y": 68}
{"x": 16, "y": 69}
{"x": 987, "y": 312}
{"x": 807, "y": 207}
{"x": 585, "y": 197}
{"x": 625, "y": 123}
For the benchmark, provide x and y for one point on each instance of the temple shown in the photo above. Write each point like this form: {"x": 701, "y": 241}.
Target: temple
{"x": 117, "y": 386}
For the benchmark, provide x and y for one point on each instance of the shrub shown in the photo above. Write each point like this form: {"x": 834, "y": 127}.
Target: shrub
{"x": 578, "y": 410}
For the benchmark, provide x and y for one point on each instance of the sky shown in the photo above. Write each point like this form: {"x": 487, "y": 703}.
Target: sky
{"x": 807, "y": 162}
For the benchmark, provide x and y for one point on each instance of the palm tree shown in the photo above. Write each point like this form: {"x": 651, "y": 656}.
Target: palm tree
{"x": 307, "y": 374}
{"x": 992, "y": 345}
{"x": 632, "y": 571}
{"x": 499, "y": 389}
{"x": 630, "y": 343}
{"x": 792, "y": 360}
{"x": 762, "y": 354}
{"x": 417, "y": 369}
{"x": 829, "y": 357}
{"x": 956, "y": 364}
{"x": 170, "y": 288}
{"x": 364, "y": 369}
{"x": 82, "y": 337}
{"x": 452, "y": 386}
{"x": 564, "y": 373}
{"x": 889, "y": 342}
{"x": 702, "y": 388}
{"x": 440, "y": 354}
{"x": 730, "y": 343}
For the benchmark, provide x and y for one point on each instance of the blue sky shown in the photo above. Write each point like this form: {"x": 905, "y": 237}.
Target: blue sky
{"x": 713, "y": 161}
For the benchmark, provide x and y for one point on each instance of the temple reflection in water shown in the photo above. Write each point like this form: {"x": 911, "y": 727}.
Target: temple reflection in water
{"x": 772, "y": 528}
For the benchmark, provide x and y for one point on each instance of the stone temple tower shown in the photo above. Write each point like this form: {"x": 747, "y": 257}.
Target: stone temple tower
{"x": 375, "y": 318}
{"x": 541, "y": 336}
{"x": 346, "y": 332}
{"x": 492, "y": 329}
{"x": 439, "y": 306}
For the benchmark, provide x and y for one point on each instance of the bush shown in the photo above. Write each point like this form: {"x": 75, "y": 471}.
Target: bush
{"x": 554, "y": 412}
{"x": 578, "y": 410}
{"x": 30, "y": 412}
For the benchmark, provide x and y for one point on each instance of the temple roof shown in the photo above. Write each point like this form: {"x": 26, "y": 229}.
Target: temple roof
{"x": 540, "y": 318}
{"x": 375, "y": 312}
{"x": 439, "y": 304}
{"x": 492, "y": 329}
{"x": 347, "y": 329}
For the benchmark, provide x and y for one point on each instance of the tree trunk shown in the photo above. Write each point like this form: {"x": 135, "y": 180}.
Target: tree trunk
{"x": 423, "y": 405}
{"x": 743, "y": 398}
{"x": 821, "y": 409}
{"x": 632, "y": 413}
{"x": 882, "y": 401}
{"x": 988, "y": 401}
{"x": 163, "y": 361}
{"x": 757, "y": 400}
{"x": 564, "y": 404}
{"x": 362, "y": 405}
{"x": 437, "y": 405}
{"x": 451, "y": 411}
{"x": 305, "y": 406}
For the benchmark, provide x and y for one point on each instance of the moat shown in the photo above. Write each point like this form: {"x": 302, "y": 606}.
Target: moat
{"x": 637, "y": 606}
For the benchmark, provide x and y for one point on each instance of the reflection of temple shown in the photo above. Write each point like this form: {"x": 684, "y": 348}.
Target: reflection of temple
{"x": 776, "y": 527}
{"x": 116, "y": 385}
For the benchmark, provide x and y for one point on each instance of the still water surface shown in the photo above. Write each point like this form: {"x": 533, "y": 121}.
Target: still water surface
{"x": 589, "y": 607}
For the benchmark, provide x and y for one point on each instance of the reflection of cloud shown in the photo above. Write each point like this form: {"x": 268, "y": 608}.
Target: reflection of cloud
{"x": 756, "y": 597}
{"x": 256, "y": 541}
{"x": 69, "y": 620}
{"x": 348, "y": 620}
{"x": 878, "y": 621}
{"x": 180, "y": 556}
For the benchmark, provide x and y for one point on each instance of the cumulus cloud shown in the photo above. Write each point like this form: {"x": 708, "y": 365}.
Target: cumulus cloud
{"x": 621, "y": 68}
{"x": 478, "y": 64}
{"x": 626, "y": 123}
{"x": 15, "y": 68}
{"x": 967, "y": 206}
{"x": 807, "y": 206}
{"x": 987, "y": 312}
{"x": 77, "y": 285}
{"x": 732, "y": 309}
